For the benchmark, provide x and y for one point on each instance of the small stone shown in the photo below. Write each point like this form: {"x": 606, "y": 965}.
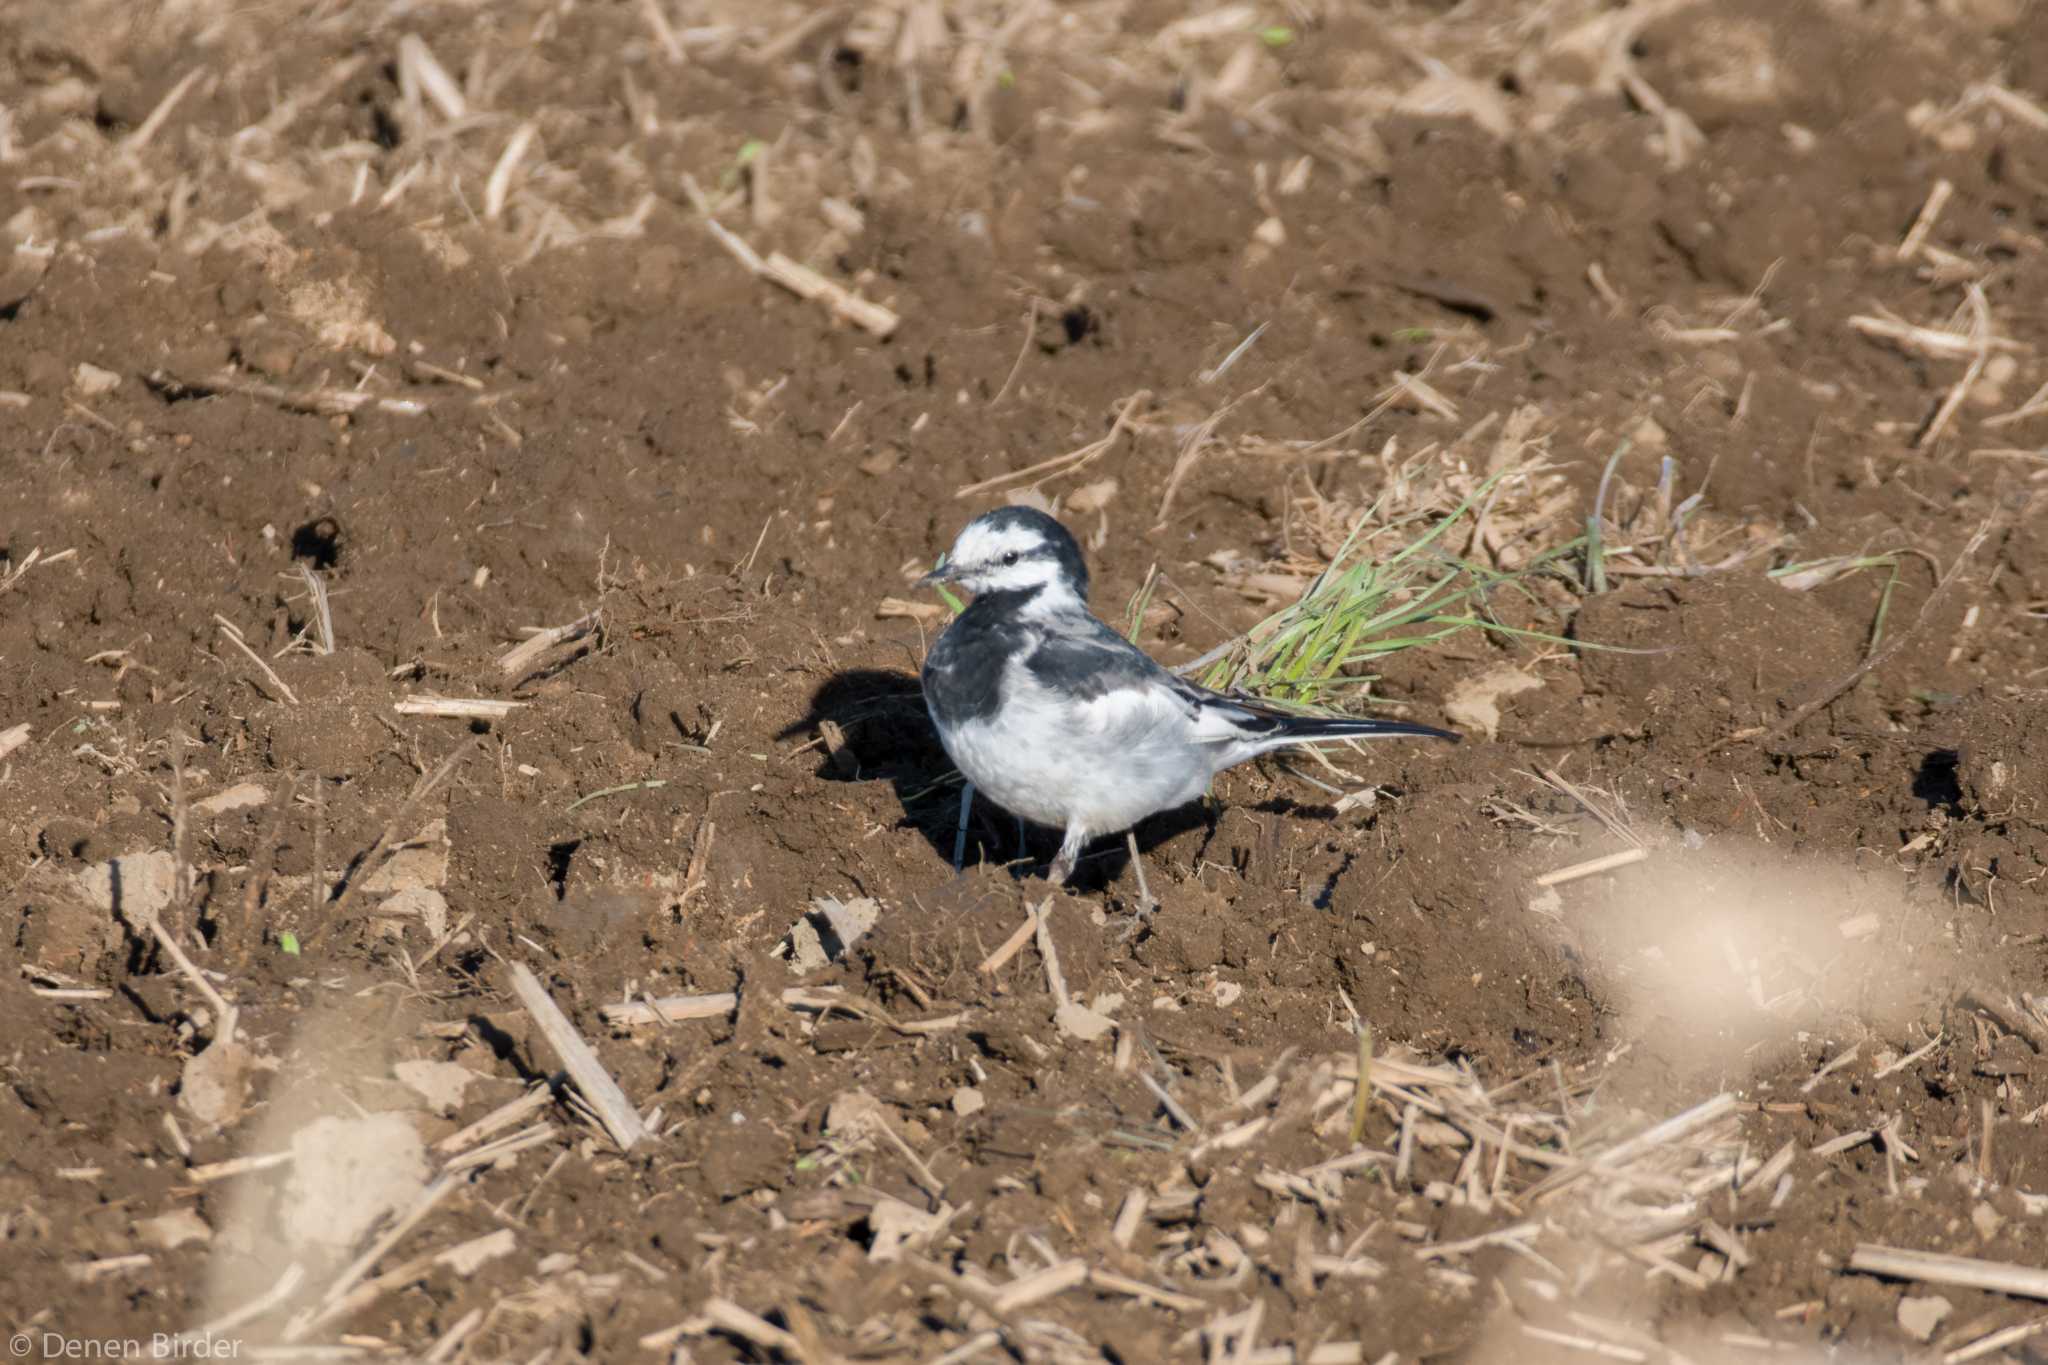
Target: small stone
{"x": 827, "y": 930}
{"x": 241, "y": 796}
{"x": 1920, "y": 1317}
{"x": 1475, "y": 702}
{"x": 1078, "y": 1021}
{"x": 93, "y": 382}
{"x": 967, "y": 1101}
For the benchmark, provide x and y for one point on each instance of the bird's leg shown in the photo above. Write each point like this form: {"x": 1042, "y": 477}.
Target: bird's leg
{"x": 1069, "y": 854}
{"x": 1146, "y": 905}
{"x": 960, "y": 838}
{"x": 1023, "y": 841}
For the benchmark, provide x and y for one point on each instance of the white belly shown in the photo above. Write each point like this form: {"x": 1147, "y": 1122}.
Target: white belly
{"x": 1067, "y": 775}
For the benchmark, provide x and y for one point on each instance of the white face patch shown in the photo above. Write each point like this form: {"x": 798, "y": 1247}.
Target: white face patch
{"x": 980, "y": 559}
{"x": 981, "y": 544}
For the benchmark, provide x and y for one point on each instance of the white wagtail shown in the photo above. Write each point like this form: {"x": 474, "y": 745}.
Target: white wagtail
{"x": 1063, "y": 722}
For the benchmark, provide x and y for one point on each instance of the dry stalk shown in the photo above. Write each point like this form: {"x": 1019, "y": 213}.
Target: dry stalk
{"x": 1928, "y": 1267}
{"x": 336, "y": 1301}
{"x": 242, "y": 1165}
{"x": 153, "y": 124}
{"x": 1980, "y": 356}
{"x": 1014, "y": 944}
{"x": 797, "y": 278}
{"x": 1594, "y": 866}
{"x": 620, "y": 1118}
{"x": 1061, "y": 465}
{"x": 323, "y": 613}
{"x": 234, "y": 637}
{"x": 12, "y": 579}
{"x": 504, "y": 1116}
{"x": 499, "y": 186}
{"x": 728, "y": 1316}
{"x": 1916, "y": 236}
{"x": 325, "y": 402}
{"x": 1191, "y": 450}
{"x": 519, "y": 662}
{"x": 456, "y": 708}
{"x": 1995, "y": 1341}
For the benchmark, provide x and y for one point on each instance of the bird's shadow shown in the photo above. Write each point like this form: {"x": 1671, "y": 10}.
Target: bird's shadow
{"x": 870, "y": 725}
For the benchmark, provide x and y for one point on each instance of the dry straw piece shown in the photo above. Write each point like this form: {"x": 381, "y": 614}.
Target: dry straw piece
{"x": 456, "y": 708}
{"x": 518, "y": 662}
{"x": 619, "y": 1117}
{"x": 1999, "y": 1277}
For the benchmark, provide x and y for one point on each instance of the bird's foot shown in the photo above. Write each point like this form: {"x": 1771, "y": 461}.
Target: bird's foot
{"x": 1146, "y": 904}
{"x": 1131, "y": 923}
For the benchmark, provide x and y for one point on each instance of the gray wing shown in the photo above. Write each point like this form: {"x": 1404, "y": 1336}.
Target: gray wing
{"x": 1123, "y": 693}
{"x": 1127, "y": 690}
{"x": 1088, "y": 661}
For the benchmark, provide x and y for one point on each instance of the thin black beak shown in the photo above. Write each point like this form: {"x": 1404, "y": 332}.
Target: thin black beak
{"x": 940, "y": 574}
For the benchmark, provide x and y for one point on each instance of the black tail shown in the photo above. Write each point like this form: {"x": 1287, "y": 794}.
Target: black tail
{"x": 1268, "y": 726}
{"x": 1301, "y": 729}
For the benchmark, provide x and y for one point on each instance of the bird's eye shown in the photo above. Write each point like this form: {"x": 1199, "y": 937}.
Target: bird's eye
{"x": 1010, "y": 558}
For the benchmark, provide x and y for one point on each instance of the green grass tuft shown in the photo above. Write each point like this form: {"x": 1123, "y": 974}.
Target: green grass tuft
{"x": 1359, "y": 609}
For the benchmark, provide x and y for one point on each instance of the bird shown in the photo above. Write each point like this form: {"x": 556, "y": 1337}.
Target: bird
{"x": 1063, "y": 722}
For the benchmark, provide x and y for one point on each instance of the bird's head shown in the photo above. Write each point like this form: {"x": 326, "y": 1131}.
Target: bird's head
{"x": 1014, "y": 549}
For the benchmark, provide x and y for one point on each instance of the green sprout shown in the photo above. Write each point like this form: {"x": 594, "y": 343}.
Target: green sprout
{"x": 749, "y": 152}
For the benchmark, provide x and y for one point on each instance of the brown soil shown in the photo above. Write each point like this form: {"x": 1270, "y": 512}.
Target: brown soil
{"x": 1066, "y": 208}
